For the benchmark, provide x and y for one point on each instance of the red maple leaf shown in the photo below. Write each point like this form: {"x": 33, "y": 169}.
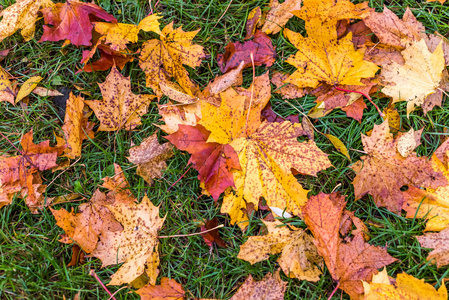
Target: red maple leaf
{"x": 213, "y": 161}
{"x": 72, "y": 21}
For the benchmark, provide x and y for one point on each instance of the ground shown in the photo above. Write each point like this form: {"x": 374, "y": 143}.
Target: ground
{"x": 33, "y": 262}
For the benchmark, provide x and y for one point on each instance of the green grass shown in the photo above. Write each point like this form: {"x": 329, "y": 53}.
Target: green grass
{"x": 33, "y": 262}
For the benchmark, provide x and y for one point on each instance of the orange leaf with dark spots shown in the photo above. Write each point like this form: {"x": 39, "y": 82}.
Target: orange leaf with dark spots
{"x": 169, "y": 289}
{"x": 213, "y": 161}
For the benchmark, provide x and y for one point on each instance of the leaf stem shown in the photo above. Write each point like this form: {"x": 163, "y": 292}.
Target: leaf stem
{"x": 366, "y": 96}
{"x": 92, "y": 273}
{"x": 333, "y": 292}
{"x": 179, "y": 178}
{"x": 190, "y": 234}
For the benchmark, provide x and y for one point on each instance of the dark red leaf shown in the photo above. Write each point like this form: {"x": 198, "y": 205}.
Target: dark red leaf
{"x": 213, "y": 236}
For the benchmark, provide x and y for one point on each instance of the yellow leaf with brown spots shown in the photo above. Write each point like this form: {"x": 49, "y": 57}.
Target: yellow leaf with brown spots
{"x": 6, "y": 89}
{"x": 405, "y": 287}
{"x": 174, "y": 115}
{"x": 299, "y": 258}
{"x": 271, "y": 287}
{"x": 135, "y": 246}
{"x": 150, "y": 157}
{"x": 120, "y": 108}
{"x": 419, "y": 77}
{"x": 76, "y": 127}
{"x": 279, "y": 14}
{"x": 165, "y": 58}
{"x": 21, "y": 15}
{"x": 323, "y": 58}
{"x": 120, "y": 34}
{"x": 267, "y": 158}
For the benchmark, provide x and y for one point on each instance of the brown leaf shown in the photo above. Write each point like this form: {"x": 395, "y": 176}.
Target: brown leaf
{"x": 108, "y": 58}
{"x": 261, "y": 47}
{"x": 392, "y": 31}
{"x": 150, "y": 157}
{"x": 384, "y": 171}
{"x": 269, "y": 288}
{"x": 213, "y": 236}
{"x": 120, "y": 108}
{"x": 439, "y": 242}
{"x": 382, "y": 54}
{"x": 361, "y": 34}
{"x": 287, "y": 90}
{"x": 169, "y": 289}
{"x": 279, "y": 14}
{"x": 77, "y": 256}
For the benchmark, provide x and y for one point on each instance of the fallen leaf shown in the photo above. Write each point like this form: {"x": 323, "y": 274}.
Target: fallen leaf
{"x": 169, "y": 289}
{"x": 136, "y": 245}
{"x": 225, "y": 81}
{"x": 271, "y": 287}
{"x": 439, "y": 242}
{"x": 432, "y": 42}
{"x": 175, "y": 115}
{"x": 270, "y": 116}
{"x": 252, "y": 21}
{"x": 212, "y": 236}
{"x": 382, "y": 54}
{"x": 21, "y": 16}
{"x": 393, "y": 117}
{"x": 117, "y": 35}
{"x": 150, "y": 157}
{"x": 361, "y": 34}
{"x": 93, "y": 220}
{"x": 405, "y": 287}
{"x": 165, "y": 58}
{"x": 383, "y": 171}
{"x": 299, "y": 258}
{"x": 44, "y": 92}
{"x": 76, "y": 127}
{"x": 408, "y": 141}
{"x": 392, "y": 31}
{"x": 77, "y": 257}
{"x": 279, "y": 14}
{"x": 173, "y": 91}
{"x": 212, "y": 160}
{"x": 323, "y": 58}
{"x": 287, "y": 90}
{"x": 349, "y": 260}
{"x": 420, "y": 76}
{"x": 120, "y": 108}
{"x": 108, "y": 58}
{"x": 339, "y": 145}
{"x": 260, "y": 46}
{"x": 71, "y": 21}
{"x": 6, "y": 89}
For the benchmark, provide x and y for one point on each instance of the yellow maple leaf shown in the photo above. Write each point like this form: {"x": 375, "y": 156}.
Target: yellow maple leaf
{"x": 419, "y": 77}
{"x": 406, "y": 287}
{"x": 299, "y": 258}
{"x": 21, "y": 15}
{"x": 323, "y": 58}
{"x": 136, "y": 245}
{"x": 168, "y": 55}
{"x": 120, "y": 108}
{"x": 120, "y": 34}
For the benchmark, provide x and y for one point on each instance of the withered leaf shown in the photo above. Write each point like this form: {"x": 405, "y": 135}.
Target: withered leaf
{"x": 279, "y": 14}
{"x": 271, "y": 287}
{"x": 150, "y": 157}
{"x": 136, "y": 245}
{"x": 252, "y": 21}
{"x": 212, "y": 160}
{"x": 108, "y": 58}
{"x": 212, "y": 236}
{"x": 287, "y": 90}
{"x": 439, "y": 242}
{"x": 120, "y": 108}
{"x": 260, "y": 46}
{"x": 175, "y": 115}
{"x": 169, "y": 289}
{"x": 6, "y": 89}
{"x": 384, "y": 171}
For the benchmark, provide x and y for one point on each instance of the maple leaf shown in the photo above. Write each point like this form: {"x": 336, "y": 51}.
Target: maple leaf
{"x": 175, "y": 115}
{"x": 391, "y": 30}
{"x": 120, "y": 34}
{"x": 279, "y": 14}
{"x": 120, "y": 108}
{"x": 330, "y": 11}
{"x": 323, "y": 58}
{"x": 271, "y": 287}
{"x": 169, "y": 289}
{"x": 267, "y": 158}
{"x": 21, "y": 16}
{"x": 6, "y": 89}
{"x": 288, "y": 91}
{"x": 108, "y": 58}
{"x": 71, "y": 21}
{"x": 384, "y": 170}
{"x": 213, "y": 161}
{"x": 165, "y": 58}
{"x": 93, "y": 219}
{"x": 405, "y": 287}
{"x": 212, "y": 237}
{"x": 136, "y": 245}
{"x": 150, "y": 157}
{"x": 260, "y": 46}
{"x": 419, "y": 77}
{"x": 76, "y": 128}
{"x": 252, "y": 22}
{"x": 350, "y": 260}
{"x": 299, "y": 258}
